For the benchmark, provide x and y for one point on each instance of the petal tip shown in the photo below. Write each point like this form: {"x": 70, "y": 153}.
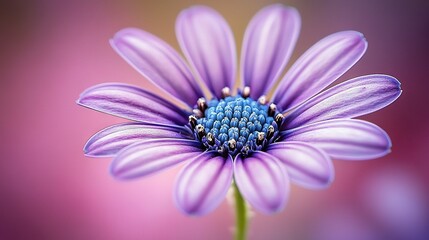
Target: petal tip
{"x": 273, "y": 208}
{"x": 79, "y": 102}
{"x": 360, "y": 37}
{"x": 397, "y": 84}
{"x": 360, "y": 40}
{"x": 89, "y": 152}
{"x": 328, "y": 183}
{"x": 387, "y": 142}
{"x": 284, "y": 10}
{"x": 85, "y": 149}
{"x": 282, "y": 7}
{"x": 117, "y": 172}
{"x": 192, "y": 210}
{"x": 81, "y": 99}
{"x": 125, "y": 31}
{"x": 393, "y": 80}
{"x": 196, "y": 9}
{"x": 356, "y": 38}
{"x": 119, "y": 37}
{"x": 322, "y": 185}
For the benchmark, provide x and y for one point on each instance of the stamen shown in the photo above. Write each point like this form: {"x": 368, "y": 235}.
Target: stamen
{"x": 246, "y": 92}
{"x": 279, "y": 119}
{"x": 245, "y": 150}
{"x": 270, "y": 132}
{"x": 201, "y": 131}
{"x": 232, "y": 144}
{"x": 226, "y": 92}
{"x": 210, "y": 138}
{"x": 272, "y": 109}
{"x": 262, "y": 100}
{"x": 260, "y": 138}
{"x": 202, "y": 104}
{"x": 192, "y": 121}
{"x": 198, "y": 113}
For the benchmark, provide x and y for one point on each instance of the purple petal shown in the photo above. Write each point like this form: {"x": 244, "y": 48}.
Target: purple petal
{"x": 109, "y": 141}
{"x": 262, "y": 181}
{"x": 322, "y": 64}
{"x": 349, "y": 99}
{"x": 268, "y": 43}
{"x": 349, "y": 139}
{"x": 132, "y": 103}
{"x": 208, "y": 43}
{"x": 143, "y": 158}
{"x": 203, "y": 183}
{"x": 158, "y": 62}
{"x": 306, "y": 164}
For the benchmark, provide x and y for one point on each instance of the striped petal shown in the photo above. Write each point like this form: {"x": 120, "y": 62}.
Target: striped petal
{"x": 109, "y": 141}
{"x": 208, "y": 43}
{"x": 268, "y": 43}
{"x": 144, "y": 158}
{"x": 348, "y": 139}
{"x": 305, "y": 164}
{"x": 158, "y": 62}
{"x": 322, "y": 64}
{"x": 349, "y": 99}
{"x": 132, "y": 103}
{"x": 203, "y": 183}
{"x": 262, "y": 181}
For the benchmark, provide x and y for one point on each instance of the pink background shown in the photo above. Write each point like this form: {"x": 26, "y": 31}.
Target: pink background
{"x": 52, "y": 50}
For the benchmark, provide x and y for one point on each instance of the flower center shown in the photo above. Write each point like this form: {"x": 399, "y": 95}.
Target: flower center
{"x": 235, "y": 124}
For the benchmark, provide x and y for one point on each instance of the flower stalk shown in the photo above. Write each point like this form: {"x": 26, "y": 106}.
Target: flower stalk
{"x": 241, "y": 215}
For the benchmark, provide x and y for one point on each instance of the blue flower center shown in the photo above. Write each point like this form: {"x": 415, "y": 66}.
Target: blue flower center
{"x": 235, "y": 124}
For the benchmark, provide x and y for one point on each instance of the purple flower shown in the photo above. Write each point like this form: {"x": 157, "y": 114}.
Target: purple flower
{"x": 224, "y": 134}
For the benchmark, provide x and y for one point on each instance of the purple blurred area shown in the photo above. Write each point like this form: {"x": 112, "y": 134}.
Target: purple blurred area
{"x": 52, "y": 50}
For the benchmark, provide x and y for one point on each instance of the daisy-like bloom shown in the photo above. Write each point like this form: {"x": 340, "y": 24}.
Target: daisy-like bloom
{"x": 237, "y": 132}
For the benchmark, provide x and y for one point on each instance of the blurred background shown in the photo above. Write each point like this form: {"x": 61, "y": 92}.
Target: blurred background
{"x": 52, "y": 50}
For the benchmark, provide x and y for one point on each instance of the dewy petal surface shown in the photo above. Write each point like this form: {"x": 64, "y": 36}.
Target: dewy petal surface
{"x": 352, "y": 98}
{"x": 143, "y": 158}
{"x": 158, "y": 62}
{"x": 268, "y": 43}
{"x": 109, "y": 141}
{"x": 208, "y": 43}
{"x": 203, "y": 183}
{"x": 318, "y": 67}
{"x": 262, "y": 181}
{"x": 305, "y": 164}
{"x": 132, "y": 103}
{"x": 348, "y": 139}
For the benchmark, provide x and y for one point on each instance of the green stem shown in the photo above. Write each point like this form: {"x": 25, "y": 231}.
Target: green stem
{"x": 240, "y": 215}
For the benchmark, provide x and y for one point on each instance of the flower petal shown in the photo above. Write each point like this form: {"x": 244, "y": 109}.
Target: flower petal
{"x": 203, "y": 183}
{"x": 262, "y": 181}
{"x": 349, "y": 139}
{"x": 306, "y": 164}
{"x": 158, "y": 62}
{"x": 208, "y": 43}
{"x": 268, "y": 43}
{"x": 132, "y": 103}
{"x": 353, "y": 98}
{"x": 109, "y": 141}
{"x": 143, "y": 158}
{"x": 322, "y": 64}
